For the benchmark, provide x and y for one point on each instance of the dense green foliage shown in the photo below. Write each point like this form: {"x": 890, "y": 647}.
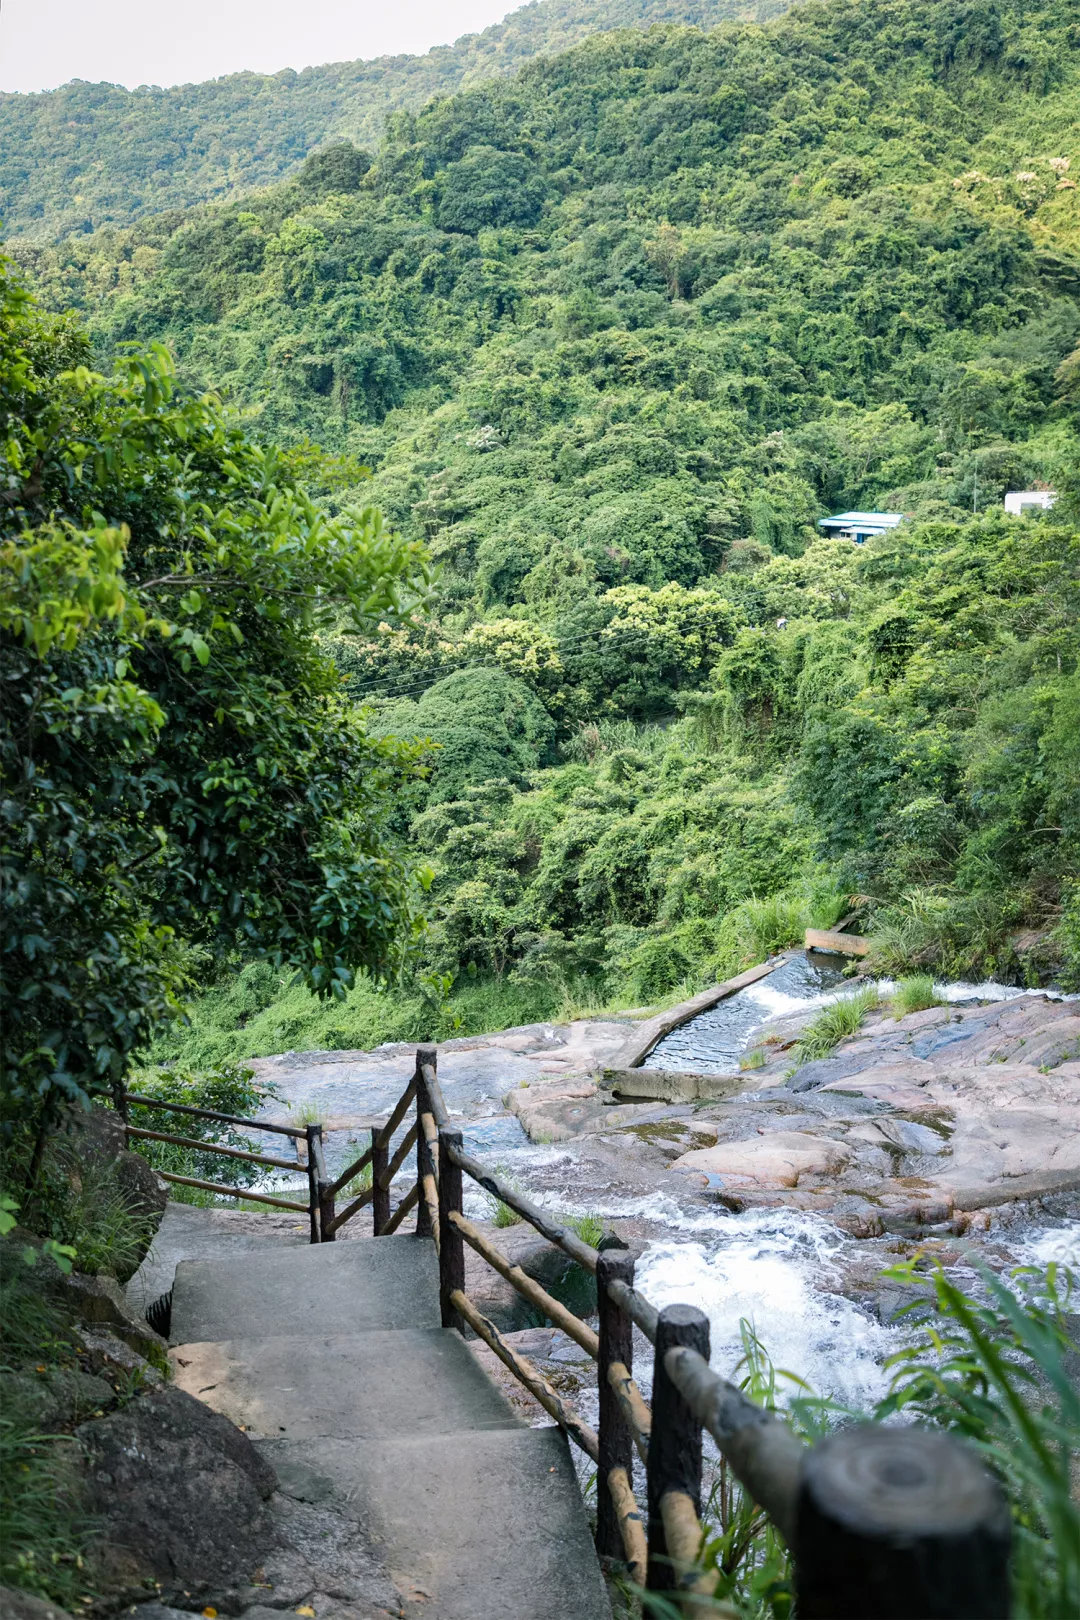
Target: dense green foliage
{"x": 179, "y": 769}
{"x": 96, "y": 154}
{"x": 228, "y": 1089}
{"x": 613, "y": 335}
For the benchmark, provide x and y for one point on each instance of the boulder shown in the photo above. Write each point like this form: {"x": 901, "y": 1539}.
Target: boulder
{"x": 779, "y": 1159}
{"x": 16, "y": 1605}
{"x": 99, "y": 1303}
{"x": 180, "y": 1495}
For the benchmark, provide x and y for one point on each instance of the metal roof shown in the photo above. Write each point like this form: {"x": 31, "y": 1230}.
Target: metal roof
{"x": 862, "y": 520}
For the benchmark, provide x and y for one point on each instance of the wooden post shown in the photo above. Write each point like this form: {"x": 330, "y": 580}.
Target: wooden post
{"x": 313, "y": 1182}
{"x": 451, "y": 1244}
{"x": 380, "y": 1196}
{"x": 675, "y": 1441}
{"x": 424, "y": 1166}
{"x": 892, "y": 1523}
{"x": 616, "y": 1443}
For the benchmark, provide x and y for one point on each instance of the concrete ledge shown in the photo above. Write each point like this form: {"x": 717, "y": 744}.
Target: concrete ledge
{"x": 646, "y": 1035}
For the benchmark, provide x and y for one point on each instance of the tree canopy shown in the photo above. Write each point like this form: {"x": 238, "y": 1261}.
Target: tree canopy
{"x": 180, "y": 768}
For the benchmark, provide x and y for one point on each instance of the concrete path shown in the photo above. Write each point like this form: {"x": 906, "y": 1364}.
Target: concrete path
{"x": 333, "y": 1360}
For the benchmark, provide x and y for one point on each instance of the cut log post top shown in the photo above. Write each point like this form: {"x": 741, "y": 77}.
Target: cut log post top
{"x": 899, "y": 1522}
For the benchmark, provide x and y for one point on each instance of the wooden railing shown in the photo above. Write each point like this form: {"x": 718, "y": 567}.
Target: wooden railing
{"x": 883, "y": 1522}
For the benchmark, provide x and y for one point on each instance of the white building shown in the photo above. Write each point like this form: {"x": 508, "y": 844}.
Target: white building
{"x": 859, "y": 526}
{"x": 1019, "y": 501}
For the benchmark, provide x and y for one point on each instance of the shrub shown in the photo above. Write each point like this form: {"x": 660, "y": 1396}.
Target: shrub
{"x": 229, "y": 1089}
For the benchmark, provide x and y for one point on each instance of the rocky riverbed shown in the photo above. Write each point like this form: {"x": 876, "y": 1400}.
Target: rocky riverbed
{"x": 774, "y": 1195}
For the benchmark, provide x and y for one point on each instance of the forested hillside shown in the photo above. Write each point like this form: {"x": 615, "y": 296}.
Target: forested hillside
{"x": 96, "y": 154}
{"x": 612, "y": 335}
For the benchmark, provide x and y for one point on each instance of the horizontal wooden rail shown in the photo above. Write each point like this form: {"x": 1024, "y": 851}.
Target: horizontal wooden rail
{"x": 529, "y": 1375}
{"x": 354, "y": 1169}
{"x": 528, "y": 1288}
{"x": 636, "y": 1306}
{"x": 226, "y": 1119}
{"x": 634, "y": 1407}
{"x": 561, "y": 1236}
{"x": 407, "y": 1145}
{"x": 233, "y": 1192}
{"x": 402, "y": 1210}
{"x": 631, "y": 1524}
{"x": 762, "y": 1452}
{"x": 213, "y": 1147}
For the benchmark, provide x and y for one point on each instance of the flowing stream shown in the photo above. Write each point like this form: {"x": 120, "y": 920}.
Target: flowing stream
{"x": 783, "y": 1274}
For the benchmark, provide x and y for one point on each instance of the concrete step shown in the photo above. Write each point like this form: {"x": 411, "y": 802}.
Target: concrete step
{"x": 488, "y": 1525}
{"x": 377, "y": 1384}
{"x": 355, "y": 1287}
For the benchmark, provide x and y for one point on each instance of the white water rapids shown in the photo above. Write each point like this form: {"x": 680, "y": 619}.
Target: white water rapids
{"x": 783, "y": 1272}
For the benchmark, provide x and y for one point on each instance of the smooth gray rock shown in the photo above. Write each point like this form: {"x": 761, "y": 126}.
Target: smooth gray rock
{"x": 180, "y": 1496}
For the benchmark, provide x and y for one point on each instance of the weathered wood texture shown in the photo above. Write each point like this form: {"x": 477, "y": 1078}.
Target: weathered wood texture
{"x": 651, "y": 1030}
{"x": 633, "y": 1404}
{"x": 295, "y": 1131}
{"x": 315, "y": 1223}
{"x": 213, "y": 1147}
{"x": 675, "y": 1441}
{"x": 636, "y": 1306}
{"x": 423, "y": 1162}
{"x": 353, "y": 1169}
{"x": 323, "y": 1191}
{"x": 682, "y": 1531}
{"x": 451, "y": 1246}
{"x": 233, "y": 1192}
{"x": 357, "y": 1206}
{"x": 380, "y": 1193}
{"x": 762, "y": 1452}
{"x": 402, "y": 1210}
{"x": 561, "y": 1236}
{"x": 615, "y": 1348}
{"x": 827, "y": 939}
{"x": 631, "y": 1523}
{"x": 556, "y": 1312}
{"x": 895, "y": 1523}
{"x": 528, "y": 1374}
{"x": 405, "y": 1147}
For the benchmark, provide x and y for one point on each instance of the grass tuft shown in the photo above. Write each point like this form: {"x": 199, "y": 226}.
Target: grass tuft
{"x": 835, "y": 1023}
{"x": 915, "y": 995}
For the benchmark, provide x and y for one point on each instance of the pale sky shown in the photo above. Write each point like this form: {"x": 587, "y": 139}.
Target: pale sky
{"x": 44, "y": 43}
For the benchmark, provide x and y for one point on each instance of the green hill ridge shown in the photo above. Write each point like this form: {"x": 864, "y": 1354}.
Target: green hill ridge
{"x": 96, "y": 154}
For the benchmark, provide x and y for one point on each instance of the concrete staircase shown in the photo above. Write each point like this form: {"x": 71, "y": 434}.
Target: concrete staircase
{"x": 333, "y": 1359}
